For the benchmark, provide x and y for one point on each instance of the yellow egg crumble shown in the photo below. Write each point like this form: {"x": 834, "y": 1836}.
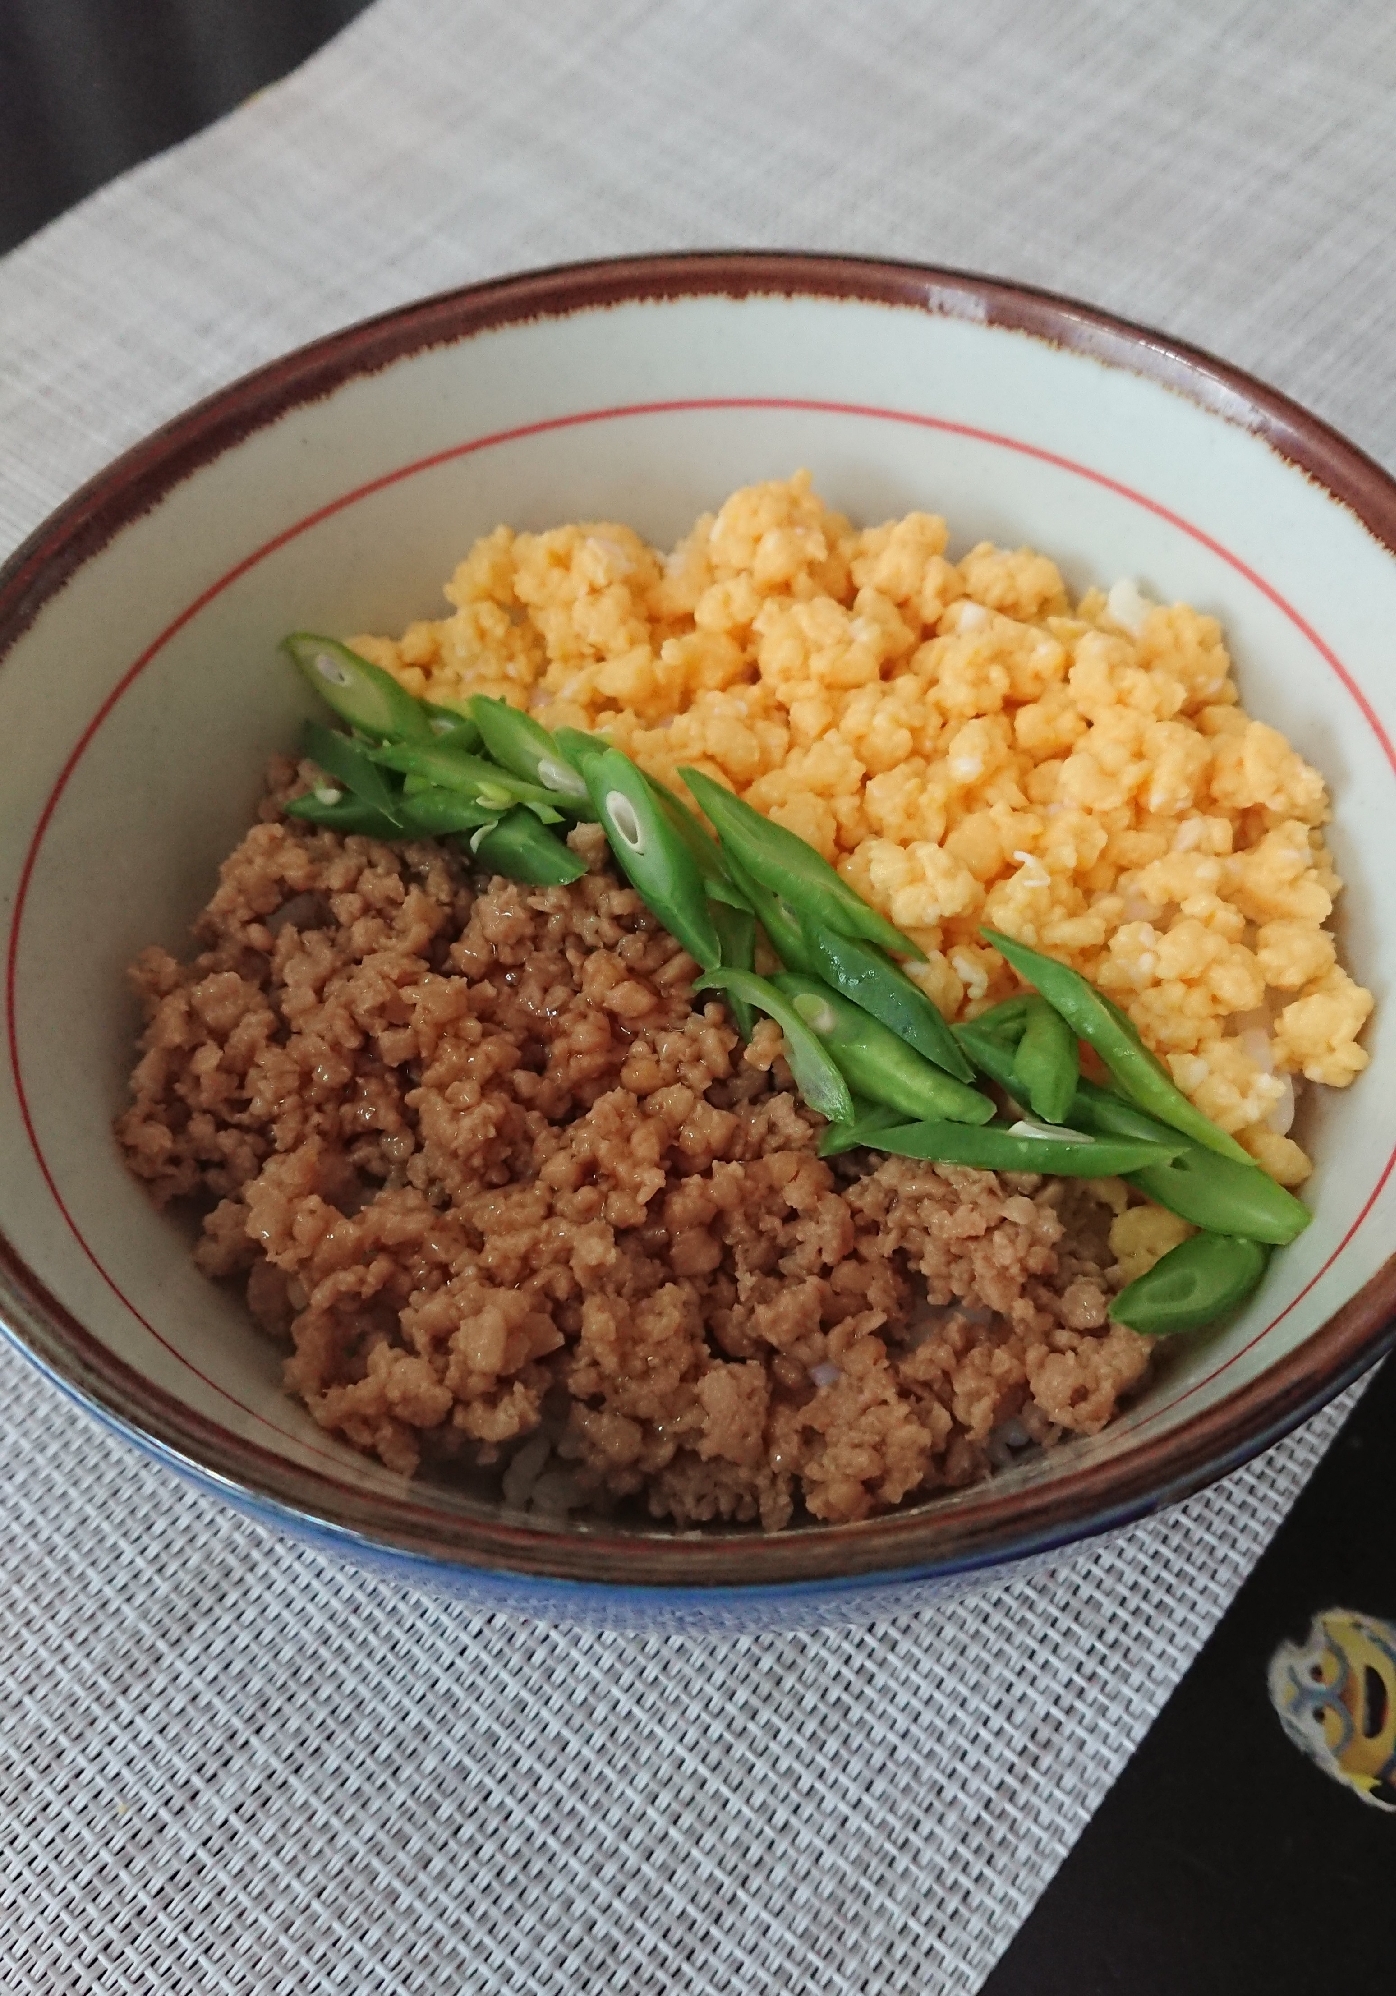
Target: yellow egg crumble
{"x": 968, "y": 747}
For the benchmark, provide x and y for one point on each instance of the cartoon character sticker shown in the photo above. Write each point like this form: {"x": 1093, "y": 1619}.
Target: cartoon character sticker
{"x": 1336, "y": 1698}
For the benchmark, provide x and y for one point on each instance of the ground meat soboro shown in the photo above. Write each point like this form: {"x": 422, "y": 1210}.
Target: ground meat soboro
{"x": 513, "y": 1197}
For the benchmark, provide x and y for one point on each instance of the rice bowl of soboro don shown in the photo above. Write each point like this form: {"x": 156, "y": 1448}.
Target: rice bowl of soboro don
{"x": 453, "y": 1219}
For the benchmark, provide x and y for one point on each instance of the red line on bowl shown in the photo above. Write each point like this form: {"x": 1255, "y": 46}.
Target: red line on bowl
{"x": 867, "y": 412}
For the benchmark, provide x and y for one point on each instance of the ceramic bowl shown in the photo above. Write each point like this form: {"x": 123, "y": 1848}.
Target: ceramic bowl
{"x": 141, "y": 693}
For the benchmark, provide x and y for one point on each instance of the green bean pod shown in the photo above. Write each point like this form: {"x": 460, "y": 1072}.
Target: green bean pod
{"x": 519, "y": 847}
{"x": 452, "y": 725}
{"x": 718, "y": 878}
{"x": 1121, "y": 1017}
{"x": 343, "y": 814}
{"x": 455, "y": 769}
{"x": 862, "y": 973}
{"x": 858, "y": 970}
{"x": 791, "y": 867}
{"x": 579, "y": 747}
{"x": 1198, "y": 1185}
{"x": 1005, "y": 1022}
{"x": 1047, "y": 1063}
{"x": 1193, "y": 1284}
{"x": 525, "y": 748}
{"x": 342, "y": 757}
{"x": 861, "y": 1133}
{"x": 654, "y": 858}
{"x": 1142, "y": 1077}
{"x": 736, "y": 935}
{"x": 817, "y": 1075}
{"x": 433, "y": 813}
{"x": 994, "y": 1148}
{"x": 875, "y": 1062}
{"x": 362, "y": 694}
{"x": 989, "y": 1052}
{"x": 783, "y": 932}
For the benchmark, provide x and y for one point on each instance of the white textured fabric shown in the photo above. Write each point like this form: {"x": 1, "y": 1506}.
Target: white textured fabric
{"x": 228, "y": 1765}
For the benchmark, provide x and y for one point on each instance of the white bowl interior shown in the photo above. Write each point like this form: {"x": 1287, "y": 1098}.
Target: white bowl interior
{"x": 138, "y": 709}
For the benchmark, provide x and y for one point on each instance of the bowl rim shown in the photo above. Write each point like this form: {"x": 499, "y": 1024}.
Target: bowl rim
{"x": 994, "y": 1527}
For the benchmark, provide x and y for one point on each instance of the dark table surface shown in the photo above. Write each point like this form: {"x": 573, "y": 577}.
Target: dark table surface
{"x": 1223, "y": 1860}
{"x": 89, "y": 87}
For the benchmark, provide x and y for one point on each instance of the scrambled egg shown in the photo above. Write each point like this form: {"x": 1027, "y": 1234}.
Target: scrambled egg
{"x": 1142, "y": 1235}
{"x": 967, "y": 747}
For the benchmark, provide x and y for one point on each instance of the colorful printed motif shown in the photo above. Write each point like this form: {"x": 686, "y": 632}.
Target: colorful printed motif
{"x": 1336, "y": 1698}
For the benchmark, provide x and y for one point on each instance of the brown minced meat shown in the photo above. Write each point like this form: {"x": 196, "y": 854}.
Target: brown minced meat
{"x": 513, "y": 1197}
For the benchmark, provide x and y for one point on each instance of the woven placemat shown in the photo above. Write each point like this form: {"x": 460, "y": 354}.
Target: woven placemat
{"x": 228, "y": 1765}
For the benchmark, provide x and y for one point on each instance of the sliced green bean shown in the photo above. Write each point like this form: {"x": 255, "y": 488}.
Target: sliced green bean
{"x": 453, "y": 725}
{"x": 338, "y": 812}
{"x": 524, "y": 746}
{"x": 1121, "y": 1017}
{"x": 340, "y": 756}
{"x": 362, "y": 694}
{"x": 783, "y": 931}
{"x": 652, "y": 855}
{"x": 1047, "y": 1063}
{"x": 579, "y": 747}
{"x": 792, "y": 868}
{"x": 736, "y": 935}
{"x": 861, "y": 972}
{"x": 994, "y": 1148}
{"x": 1005, "y": 1022}
{"x": 519, "y": 847}
{"x": 875, "y": 1063}
{"x": 1211, "y": 1190}
{"x": 989, "y": 1052}
{"x": 1198, "y": 1185}
{"x": 1142, "y": 1077}
{"x": 861, "y": 1133}
{"x": 1103, "y": 1113}
{"x": 712, "y": 863}
{"x": 454, "y": 769}
{"x": 1193, "y": 1284}
{"x": 433, "y": 813}
{"x": 816, "y": 1074}
{"x": 857, "y": 969}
